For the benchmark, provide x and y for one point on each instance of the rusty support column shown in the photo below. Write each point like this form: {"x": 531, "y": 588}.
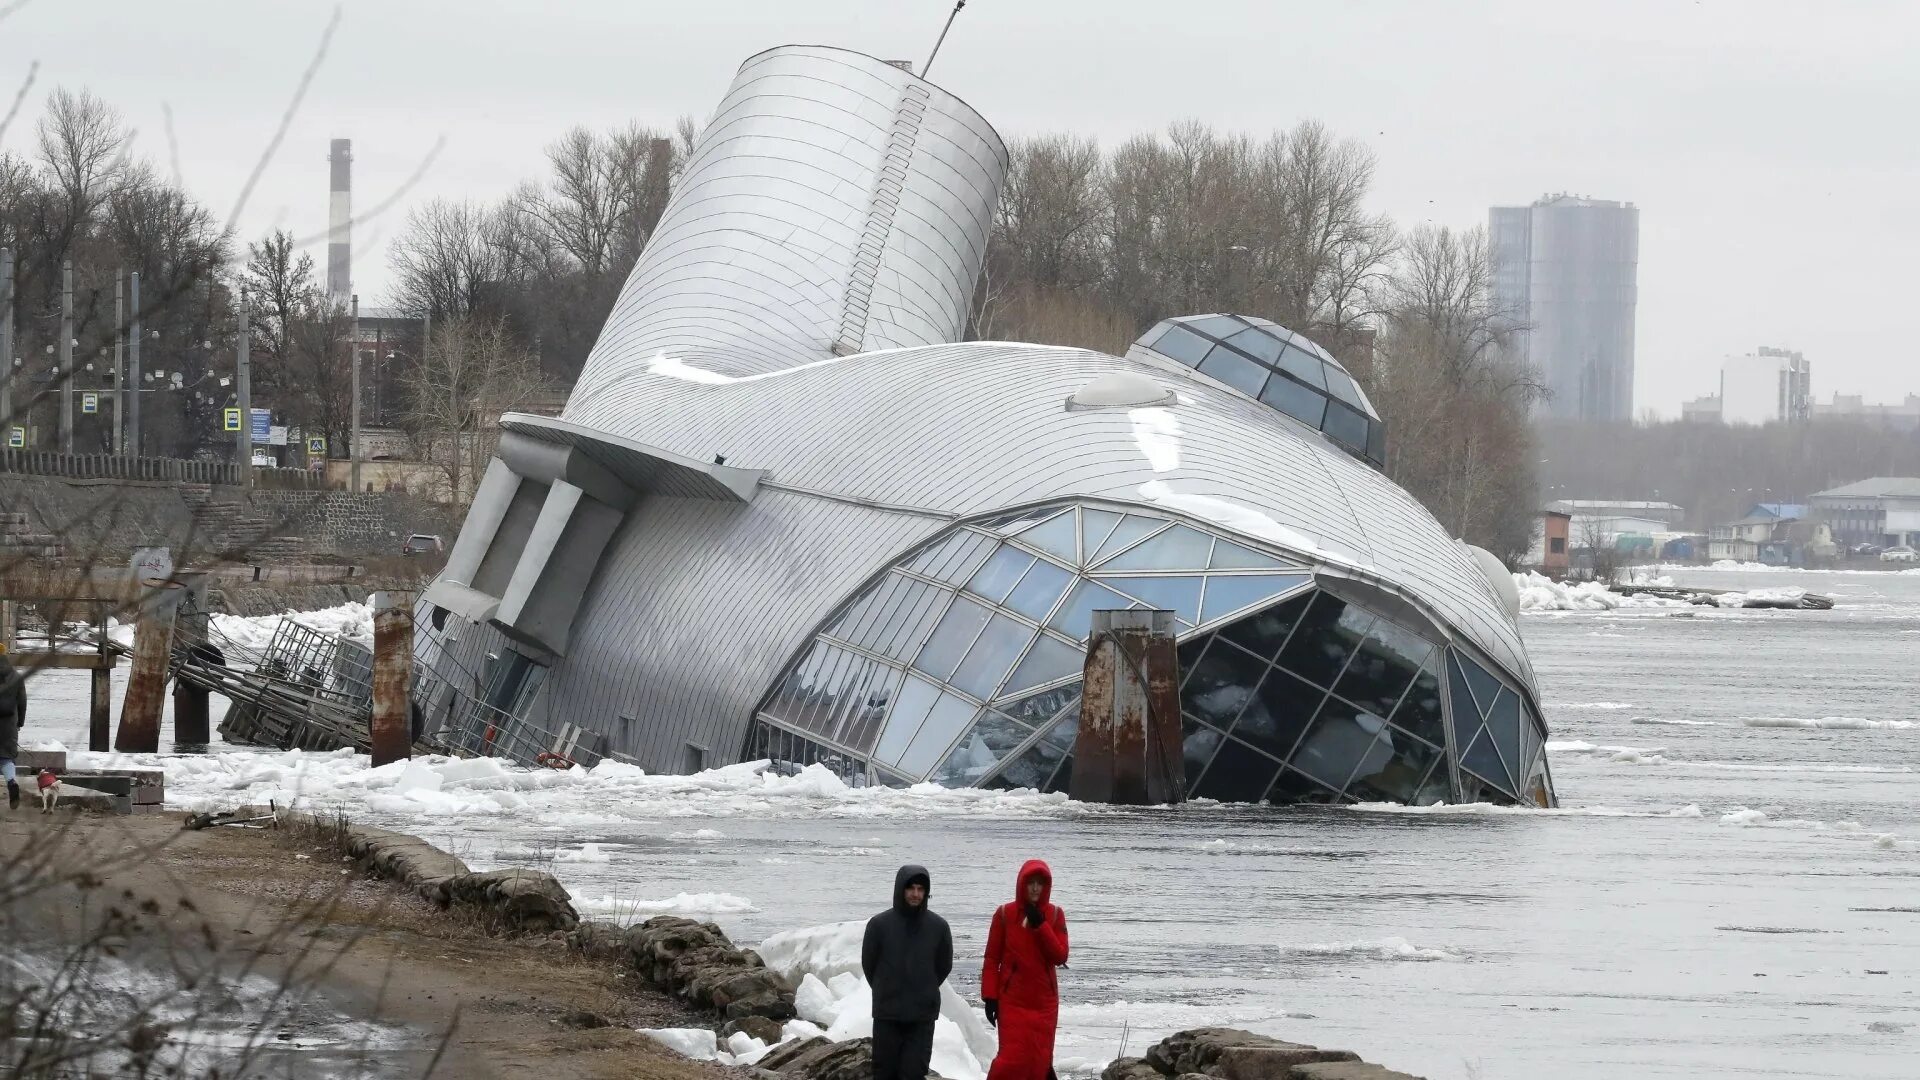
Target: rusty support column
{"x": 147, "y": 684}
{"x": 391, "y": 735}
{"x": 100, "y": 709}
{"x": 192, "y": 716}
{"x": 1128, "y": 748}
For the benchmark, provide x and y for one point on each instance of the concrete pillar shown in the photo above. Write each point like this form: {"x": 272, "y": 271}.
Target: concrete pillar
{"x": 100, "y": 709}
{"x": 1128, "y": 749}
{"x": 140, "y": 709}
{"x": 192, "y": 724}
{"x": 390, "y": 733}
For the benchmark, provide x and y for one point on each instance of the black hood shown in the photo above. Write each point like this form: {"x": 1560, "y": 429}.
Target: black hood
{"x": 907, "y": 875}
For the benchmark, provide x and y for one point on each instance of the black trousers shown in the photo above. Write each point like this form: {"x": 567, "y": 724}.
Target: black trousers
{"x": 902, "y": 1050}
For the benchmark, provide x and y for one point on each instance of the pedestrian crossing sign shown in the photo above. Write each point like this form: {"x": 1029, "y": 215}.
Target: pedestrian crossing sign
{"x": 316, "y": 446}
{"x": 16, "y": 437}
{"x": 233, "y": 419}
{"x": 89, "y": 403}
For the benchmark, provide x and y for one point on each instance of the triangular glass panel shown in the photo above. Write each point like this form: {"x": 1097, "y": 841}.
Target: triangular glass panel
{"x": 1227, "y": 594}
{"x": 1178, "y": 548}
{"x": 1180, "y": 595}
{"x": 1486, "y": 763}
{"x": 1076, "y": 615}
{"x": 1503, "y": 722}
{"x": 997, "y": 578}
{"x": 1484, "y": 685}
{"x": 1463, "y": 712}
{"x": 1056, "y": 536}
{"x": 1132, "y": 527}
{"x": 1095, "y": 527}
{"x": 954, "y": 558}
{"x": 1228, "y": 555}
{"x": 1048, "y": 659}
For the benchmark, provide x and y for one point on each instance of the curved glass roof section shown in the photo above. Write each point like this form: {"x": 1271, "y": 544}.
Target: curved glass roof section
{"x": 962, "y": 665}
{"x": 1274, "y": 365}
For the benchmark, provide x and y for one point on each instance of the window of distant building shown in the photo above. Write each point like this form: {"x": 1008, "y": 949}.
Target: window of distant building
{"x": 1559, "y": 545}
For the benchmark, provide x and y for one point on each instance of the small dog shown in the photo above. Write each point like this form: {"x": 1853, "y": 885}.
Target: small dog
{"x": 49, "y": 791}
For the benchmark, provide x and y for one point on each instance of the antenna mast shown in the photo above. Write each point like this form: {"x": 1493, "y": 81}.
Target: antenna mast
{"x": 954, "y": 14}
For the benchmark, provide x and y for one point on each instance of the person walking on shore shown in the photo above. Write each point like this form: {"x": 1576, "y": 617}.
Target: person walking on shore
{"x": 1025, "y": 944}
{"x": 13, "y": 716}
{"x": 906, "y": 955}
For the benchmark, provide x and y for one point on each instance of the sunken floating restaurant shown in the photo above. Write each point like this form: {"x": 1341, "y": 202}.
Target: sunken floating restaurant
{"x": 786, "y": 515}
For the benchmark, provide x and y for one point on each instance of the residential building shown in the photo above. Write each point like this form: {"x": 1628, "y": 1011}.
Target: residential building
{"x": 1766, "y": 386}
{"x": 809, "y": 525}
{"x": 1604, "y": 521}
{"x": 1556, "y": 528}
{"x": 1775, "y": 533}
{"x": 1904, "y": 416}
{"x": 1702, "y": 410}
{"x": 1883, "y": 511}
{"x": 1564, "y": 272}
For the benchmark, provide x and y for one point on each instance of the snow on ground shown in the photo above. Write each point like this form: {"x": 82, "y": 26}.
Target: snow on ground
{"x": 1540, "y": 593}
{"x": 1833, "y": 723}
{"x": 252, "y": 633}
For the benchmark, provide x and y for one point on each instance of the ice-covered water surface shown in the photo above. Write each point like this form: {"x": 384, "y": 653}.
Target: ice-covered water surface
{"x": 1732, "y": 781}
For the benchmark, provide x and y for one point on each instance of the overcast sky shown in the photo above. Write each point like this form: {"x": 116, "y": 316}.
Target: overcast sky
{"x": 1771, "y": 146}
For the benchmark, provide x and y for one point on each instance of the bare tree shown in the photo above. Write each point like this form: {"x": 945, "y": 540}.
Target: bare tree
{"x": 299, "y": 341}
{"x": 472, "y": 372}
{"x": 448, "y": 257}
{"x": 82, "y": 144}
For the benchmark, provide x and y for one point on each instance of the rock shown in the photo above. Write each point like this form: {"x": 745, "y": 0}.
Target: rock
{"x": 1270, "y": 1062}
{"x": 527, "y": 900}
{"x": 1130, "y": 1069}
{"x": 583, "y": 1019}
{"x": 756, "y": 1027}
{"x": 780, "y": 1057}
{"x": 818, "y": 1059}
{"x": 598, "y": 941}
{"x": 695, "y": 961}
{"x": 1233, "y": 1054}
{"x": 1347, "y": 1070}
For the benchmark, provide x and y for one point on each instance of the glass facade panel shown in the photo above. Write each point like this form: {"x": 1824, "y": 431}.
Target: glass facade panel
{"x": 1038, "y": 709}
{"x": 1340, "y": 385}
{"x": 916, "y": 614}
{"x": 863, "y": 727}
{"x": 997, "y": 578}
{"x": 1220, "y": 326}
{"x": 1180, "y": 595}
{"x": 1503, "y": 722}
{"x": 910, "y": 708}
{"x": 1278, "y": 713}
{"x": 1238, "y": 774}
{"x": 993, "y": 737}
{"x": 1265, "y": 632}
{"x": 951, "y": 639}
{"x": 1095, "y": 527}
{"x": 1305, "y": 405}
{"x": 1131, "y": 528}
{"x": 1483, "y": 684}
{"x": 1057, "y": 536}
{"x": 1384, "y": 667}
{"x": 1076, "y": 615}
{"x": 1178, "y": 548}
{"x": 1346, "y": 426}
{"x": 952, "y": 559}
{"x": 996, "y": 650}
{"x": 1437, "y": 787}
{"x": 1485, "y": 761}
{"x": 1376, "y": 442}
{"x": 1341, "y": 740}
{"x": 1222, "y": 683}
{"x": 1304, "y": 366}
{"x": 1039, "y": 590}
{"x": 1420, "y": 710}
{"x": 1227, "y": 594}
{"x": 1325, "y": 640}
{"x": 1035, "y": 767}
{"x": 1259, "y": 344}
{"x": 1228, "y": 555}
{"x": 1197, "y": 747}
{"x": 1062, "y": 777}
{"x": 1228, "y": 366}
{"x": 945, "y": 722}
{"x": 1178, "y": 344}
{"x": 1049, "y": 659}
{"x": 1465, "y": 713}
{"x": 1394, "y": 769}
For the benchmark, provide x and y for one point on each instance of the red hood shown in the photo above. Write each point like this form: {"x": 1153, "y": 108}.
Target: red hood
{"x": 1032, "y": 867}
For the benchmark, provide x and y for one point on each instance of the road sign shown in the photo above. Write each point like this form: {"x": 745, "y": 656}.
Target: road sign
{"x": 89, "y": 403}
{"x": 16, "y": 437}
{"x": 316, "y": 446}
{"x": 232, "y": 419}
{"x": 262, "y": 425}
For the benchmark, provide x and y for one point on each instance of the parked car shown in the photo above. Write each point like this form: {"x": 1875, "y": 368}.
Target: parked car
{"x": 1900, "y": 554}
{"x": 422, "y": 544}
{"x": 1865, "y": 551}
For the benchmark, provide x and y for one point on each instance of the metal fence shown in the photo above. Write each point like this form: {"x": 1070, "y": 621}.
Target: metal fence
{"x": 163, "y": 470}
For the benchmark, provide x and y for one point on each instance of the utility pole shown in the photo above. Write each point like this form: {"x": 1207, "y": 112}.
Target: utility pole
{"x": 243, "y": 379}
{"x": 66, "y": 357}
{"x": 6, "y": 337}
{"x": 133, "y": 367}
{"x": 353, "y": 443}
{"x": 119, "y": 364}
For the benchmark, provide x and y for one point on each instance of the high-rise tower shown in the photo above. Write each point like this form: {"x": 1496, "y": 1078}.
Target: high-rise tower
{"x": 340, "y": 223}
{"x": 1564, "y": 269}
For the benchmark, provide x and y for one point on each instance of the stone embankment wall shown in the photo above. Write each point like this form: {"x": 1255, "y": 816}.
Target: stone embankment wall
{"x": 104, "y": 520}
{"x": 525, "y": 901}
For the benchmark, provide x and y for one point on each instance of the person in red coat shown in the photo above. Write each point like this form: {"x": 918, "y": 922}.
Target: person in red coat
{"x": 1027, "y": 942}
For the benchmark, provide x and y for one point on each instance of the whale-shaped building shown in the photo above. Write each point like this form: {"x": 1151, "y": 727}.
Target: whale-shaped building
{"x": 785, "y": 515}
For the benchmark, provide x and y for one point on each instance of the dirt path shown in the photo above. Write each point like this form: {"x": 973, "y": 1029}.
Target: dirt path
{"x": 380, "y": 983}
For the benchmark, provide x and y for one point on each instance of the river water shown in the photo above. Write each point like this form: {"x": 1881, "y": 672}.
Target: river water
{"x": 1729, "y": 888}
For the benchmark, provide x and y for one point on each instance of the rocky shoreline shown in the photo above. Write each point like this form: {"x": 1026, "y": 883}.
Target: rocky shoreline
{"x": 697, "y": 963}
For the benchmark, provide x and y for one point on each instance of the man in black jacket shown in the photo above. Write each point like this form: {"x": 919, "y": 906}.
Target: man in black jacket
{"x": 13, "y": 716}
{"x": 907, "y": 954}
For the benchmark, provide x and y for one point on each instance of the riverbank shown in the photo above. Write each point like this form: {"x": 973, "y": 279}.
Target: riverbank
{"x": 371, "y": 979}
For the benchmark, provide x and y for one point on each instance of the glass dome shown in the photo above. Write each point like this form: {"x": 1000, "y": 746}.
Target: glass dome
{"x": 1280, "y": 368}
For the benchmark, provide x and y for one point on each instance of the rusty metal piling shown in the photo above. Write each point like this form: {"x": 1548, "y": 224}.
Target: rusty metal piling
{"x": 140, "y": 709}
{"x": 1128, "y": 749}
{"x": 390, "y": 733}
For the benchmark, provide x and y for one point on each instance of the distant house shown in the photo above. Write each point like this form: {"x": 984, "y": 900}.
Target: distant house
{"x": 1609, "y": 523}
{"x": 1556, "y": 532}
{"x": 1779, "y": 534}
{"x": 1883, "y": 511}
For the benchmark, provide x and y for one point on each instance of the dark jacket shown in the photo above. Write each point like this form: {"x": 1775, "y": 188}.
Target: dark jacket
{"x": 907, "y": 954}
{"x": 13, "y": 708}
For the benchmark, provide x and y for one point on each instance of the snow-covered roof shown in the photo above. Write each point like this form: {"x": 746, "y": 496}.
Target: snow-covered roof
{"x": 1879, "y": 487}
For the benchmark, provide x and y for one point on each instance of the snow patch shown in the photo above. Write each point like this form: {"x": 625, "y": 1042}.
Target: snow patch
{"x": 1392, "y": 948}
{"x": 1829, "y": 723}
{"x": 1541, "y": 593}
{"x": 587, "y": 853}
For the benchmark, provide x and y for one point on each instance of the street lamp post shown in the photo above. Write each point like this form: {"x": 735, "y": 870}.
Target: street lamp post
{"x": 353, "y": 445}
{"x": 65, "y": 373}
{"x": 133, "y": 366}
{"x": 243, "y": 376}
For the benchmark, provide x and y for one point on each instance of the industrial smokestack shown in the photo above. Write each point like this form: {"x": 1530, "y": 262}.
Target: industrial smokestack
{"x": 340, "y": 224}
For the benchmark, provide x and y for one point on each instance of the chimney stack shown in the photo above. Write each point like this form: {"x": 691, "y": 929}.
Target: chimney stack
{"x": 340, "y": 223}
